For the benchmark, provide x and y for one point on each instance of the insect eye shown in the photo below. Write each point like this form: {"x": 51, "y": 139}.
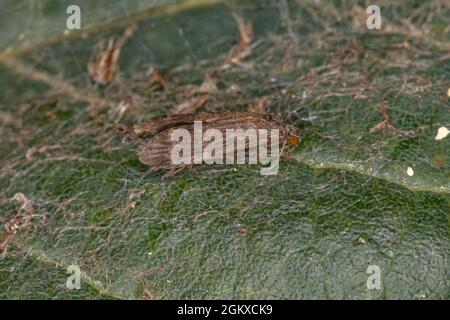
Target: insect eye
{"x": 293, "y": 140}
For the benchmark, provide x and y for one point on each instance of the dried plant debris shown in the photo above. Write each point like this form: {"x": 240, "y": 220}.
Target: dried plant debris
{"x": 234, "y": 89}
{"x": 157, "y": 77}
{"x": 386, "y": 125}
{"x": 33, "y": 151}
{"x": 156, "y": 146}
{"x": 117, "y": 113}
{"x": 189, "y": 106}
{"x": 244, "y": 48}
{"x": 8, "y": 118}
{"x": 209, "y": 84}
{"x": 103, "y": 65}
{"x": 20, "y": 221}
{"x": 259, "y": 105}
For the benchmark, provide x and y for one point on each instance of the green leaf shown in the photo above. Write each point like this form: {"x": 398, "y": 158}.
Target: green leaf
{"x": 368, "y": 104}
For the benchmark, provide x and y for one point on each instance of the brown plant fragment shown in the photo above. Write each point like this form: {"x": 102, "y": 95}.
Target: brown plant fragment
{"x": 10, "y": 119}
{"x": 259, "y": 105}
{"x": 242, "y": 232}
{"x": 386, "y": 125}
{"x": 26, "y": 204}
{"x": 157, "y": 77}
{"x": 244, "y": 48}
{"x": 189, "y": 106}
{"x": 234, "y": 89}
{"x": 20, "y": 221}
{"x": 155, "y": 151}
{"x": 117, "y": 113}
{"x": 35, "y": 150}
{"x": 103, "y": 64}
{"x": 439, "y": 160}
{"x": 209, "y": 84}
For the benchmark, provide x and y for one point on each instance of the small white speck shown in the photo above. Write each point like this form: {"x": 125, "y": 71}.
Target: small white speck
{"x": 410, "y": 171}
{"x": 448, "y": 92}
{"x": 150, "y": 253}
{"x": 442, "y": 133}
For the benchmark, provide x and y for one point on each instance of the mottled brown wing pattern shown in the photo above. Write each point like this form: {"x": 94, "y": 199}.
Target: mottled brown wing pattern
{"x": 157, "y": 148}
{"x": 156, "y": 151}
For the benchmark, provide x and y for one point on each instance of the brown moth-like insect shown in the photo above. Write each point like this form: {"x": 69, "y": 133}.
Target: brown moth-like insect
{"x": 156, "y": 147}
